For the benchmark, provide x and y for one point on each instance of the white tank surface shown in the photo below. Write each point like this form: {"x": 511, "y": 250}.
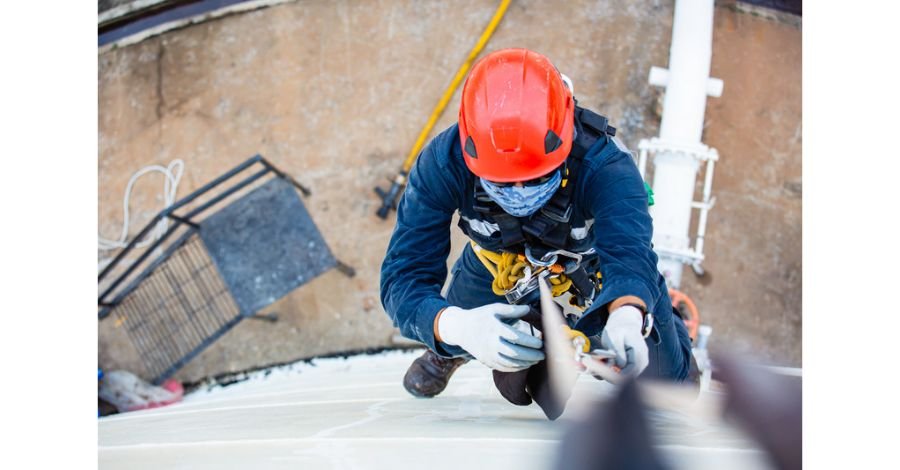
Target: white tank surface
{"x": 354, "y": 413}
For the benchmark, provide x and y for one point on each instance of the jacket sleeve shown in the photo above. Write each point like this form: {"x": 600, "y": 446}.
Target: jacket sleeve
{"x": 623, "y": 229}
{"x": 414, "y": 268}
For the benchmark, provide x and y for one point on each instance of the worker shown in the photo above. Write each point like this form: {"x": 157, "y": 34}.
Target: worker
{"x": 530, "y": 173}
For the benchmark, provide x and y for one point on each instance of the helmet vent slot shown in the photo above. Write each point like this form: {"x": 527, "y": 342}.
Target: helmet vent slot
{"x": 551, "y": 142}
{"x": 470, "y": 147}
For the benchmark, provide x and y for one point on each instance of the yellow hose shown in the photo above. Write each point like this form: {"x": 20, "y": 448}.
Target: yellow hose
{"x": 448, "y": 93}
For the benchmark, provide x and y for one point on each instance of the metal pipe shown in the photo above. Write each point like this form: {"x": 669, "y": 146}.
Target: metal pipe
{"x": 206, "y": 187}
{"x": 109, "y": 267}
{"x": 237, "y": 187}
{"x": 690, "y": 55}
{"x": 146, "y": 272}
{"x": 169, "y": 210}
{"x": 678, "y": 150}
{"x": 193, "y": 353}
{"x": 642, "y": 161}
{"x": 707, "y": 205}
{"x": 138, "y": 261}
{"x": 303, "y": 189}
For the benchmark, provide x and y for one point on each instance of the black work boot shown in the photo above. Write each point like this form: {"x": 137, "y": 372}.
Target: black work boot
{"x": 429, "y": 373}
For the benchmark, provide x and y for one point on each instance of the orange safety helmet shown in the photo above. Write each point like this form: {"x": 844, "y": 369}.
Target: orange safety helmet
{"x": 516, "y": 117}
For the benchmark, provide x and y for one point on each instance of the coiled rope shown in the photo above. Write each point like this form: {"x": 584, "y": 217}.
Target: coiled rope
{"x": 172, "y": 173}
{"x": 508, "y": 268}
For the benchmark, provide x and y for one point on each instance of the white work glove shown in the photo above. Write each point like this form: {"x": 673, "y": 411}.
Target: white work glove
{"x": 623, "y": 336}
{"x": 494, "y": 343}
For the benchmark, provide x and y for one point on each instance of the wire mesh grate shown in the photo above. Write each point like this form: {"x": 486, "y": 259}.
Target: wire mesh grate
{"x": 235, "y": 246}
{"x": 178, "y": 309}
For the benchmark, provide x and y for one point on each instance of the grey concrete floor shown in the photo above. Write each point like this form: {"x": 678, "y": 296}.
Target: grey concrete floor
{"x": 335, "y": 93}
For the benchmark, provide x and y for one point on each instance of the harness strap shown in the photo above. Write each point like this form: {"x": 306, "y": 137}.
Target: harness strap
{"x": 547, "y": 229}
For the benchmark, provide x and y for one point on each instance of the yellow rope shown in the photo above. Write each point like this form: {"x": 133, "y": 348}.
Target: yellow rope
{"x": 508, "y": 268}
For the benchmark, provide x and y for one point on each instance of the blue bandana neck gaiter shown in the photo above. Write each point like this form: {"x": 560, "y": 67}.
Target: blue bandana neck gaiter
{"x": 522, "y": 201}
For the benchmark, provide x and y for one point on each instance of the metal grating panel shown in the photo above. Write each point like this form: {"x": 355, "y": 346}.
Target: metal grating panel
{"x": 178, "y": 297}
{"x": 265, "y": 245}
{"x": 178, "y": 310}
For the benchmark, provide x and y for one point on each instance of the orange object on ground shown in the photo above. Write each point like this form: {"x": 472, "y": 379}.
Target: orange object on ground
{"x": 693, "y": 320}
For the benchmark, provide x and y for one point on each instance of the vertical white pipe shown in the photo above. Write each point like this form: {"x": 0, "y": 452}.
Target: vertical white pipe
{"x": 684, "y": 107}
{"x": 689, "y": 62}
{"x": 642, "y": 163}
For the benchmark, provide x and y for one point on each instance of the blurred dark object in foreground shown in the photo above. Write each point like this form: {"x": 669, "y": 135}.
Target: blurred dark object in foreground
{"x": 768, "y": 406}
{"x": 617, "y": 434}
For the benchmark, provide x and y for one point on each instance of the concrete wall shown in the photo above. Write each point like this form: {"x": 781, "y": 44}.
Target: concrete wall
{"x": 754, "y": 245}
{"x": 335, "y": 93}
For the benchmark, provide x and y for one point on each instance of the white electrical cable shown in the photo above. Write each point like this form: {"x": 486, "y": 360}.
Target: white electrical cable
{"x": 173, "y": 174}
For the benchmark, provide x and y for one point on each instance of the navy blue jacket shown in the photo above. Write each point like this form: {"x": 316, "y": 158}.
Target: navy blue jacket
{"x": 610, "y": 211}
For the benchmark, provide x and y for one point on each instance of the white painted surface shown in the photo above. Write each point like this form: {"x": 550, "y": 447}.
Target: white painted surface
{"x": 354, "y": 413}
{"x": 689, "y": 61}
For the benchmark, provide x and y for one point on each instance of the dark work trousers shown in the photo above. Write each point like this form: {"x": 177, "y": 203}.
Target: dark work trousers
{"x": 470, "y": 287}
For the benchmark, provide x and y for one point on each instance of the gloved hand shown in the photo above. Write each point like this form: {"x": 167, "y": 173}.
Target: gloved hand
{"x": 623, "y": 336}
{"x": 494, "y": 343}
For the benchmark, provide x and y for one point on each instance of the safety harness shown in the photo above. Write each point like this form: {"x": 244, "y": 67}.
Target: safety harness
{"x": 540, "y": 241}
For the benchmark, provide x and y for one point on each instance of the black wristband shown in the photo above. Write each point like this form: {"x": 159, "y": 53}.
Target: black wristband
{"x": 647, "y": 324}
{"x": 637, "y": 306}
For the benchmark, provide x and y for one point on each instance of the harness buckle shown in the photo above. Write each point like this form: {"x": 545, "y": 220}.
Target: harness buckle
{"x": 483, "y": 203}
{"x": 576, "y": 257}
{"x": 556, "y": 215}
{"x": 525, "y": 290}
{"x": 549, "y": 259}
{"x": 482, "y": 206}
